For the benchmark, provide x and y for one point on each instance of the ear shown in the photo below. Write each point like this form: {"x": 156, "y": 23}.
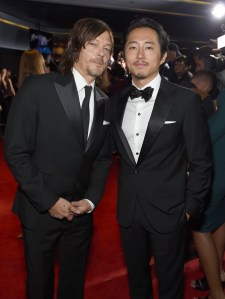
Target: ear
{"x": 163, "y": 59}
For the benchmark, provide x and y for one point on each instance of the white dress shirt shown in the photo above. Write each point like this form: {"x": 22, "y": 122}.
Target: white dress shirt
{"x": 136, "y": 117}
{"x": 81, "y": 83}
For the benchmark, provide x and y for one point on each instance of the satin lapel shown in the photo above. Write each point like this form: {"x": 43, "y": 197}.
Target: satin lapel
{"x": 68, "y": 95}
{"x": 122, "y": 102}
{"x": 158, "y": 117}
{"x": 99, "y": 109}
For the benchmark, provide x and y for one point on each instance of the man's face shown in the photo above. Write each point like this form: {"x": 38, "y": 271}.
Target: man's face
{"x": 180, "y": 67}
{"x": 94, "y": 58}
{"x": 143, "y": 55}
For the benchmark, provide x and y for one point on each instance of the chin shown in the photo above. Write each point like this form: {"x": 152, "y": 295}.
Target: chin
{"x": 140, "y": 76}
{"x": 95, "y": 73}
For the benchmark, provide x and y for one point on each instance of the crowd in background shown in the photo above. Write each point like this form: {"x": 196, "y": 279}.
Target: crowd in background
{"x": 202, "y": 70}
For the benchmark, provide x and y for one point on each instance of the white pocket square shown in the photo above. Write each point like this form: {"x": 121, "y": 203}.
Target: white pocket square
{"x": 167, "y": 122}
{"x": 106, "y": 123}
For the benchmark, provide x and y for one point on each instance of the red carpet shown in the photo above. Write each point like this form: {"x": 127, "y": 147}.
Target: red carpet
{"x": 106, "y": 274}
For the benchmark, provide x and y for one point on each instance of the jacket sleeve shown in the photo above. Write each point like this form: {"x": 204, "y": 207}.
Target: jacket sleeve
{"x": 19, "y": 142}
{"x": 199, "y": 155}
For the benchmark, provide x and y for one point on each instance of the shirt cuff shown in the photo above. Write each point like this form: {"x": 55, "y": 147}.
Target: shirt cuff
{"x": 91, "y": 204}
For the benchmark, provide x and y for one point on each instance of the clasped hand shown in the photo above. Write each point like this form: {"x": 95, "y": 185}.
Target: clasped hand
{"x": 65, "y": 209}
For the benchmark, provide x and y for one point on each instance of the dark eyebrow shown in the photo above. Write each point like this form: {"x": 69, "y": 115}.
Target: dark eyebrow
{"x": 136, "y": 42}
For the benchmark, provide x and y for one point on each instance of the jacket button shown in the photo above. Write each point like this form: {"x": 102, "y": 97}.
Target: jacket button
{"x": 136, "y": 171}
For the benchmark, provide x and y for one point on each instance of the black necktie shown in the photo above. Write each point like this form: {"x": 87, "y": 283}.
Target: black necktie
{"x": 85, "y": 112}
{"x": 144, "y": 93}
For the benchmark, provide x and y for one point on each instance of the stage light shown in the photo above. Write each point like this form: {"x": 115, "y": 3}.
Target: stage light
{"x": 219, "y": 11}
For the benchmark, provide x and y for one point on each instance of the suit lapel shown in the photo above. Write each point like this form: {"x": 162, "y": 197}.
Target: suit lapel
{"x": 68, "y": 95}
{"x": 158, "y": 117}
{"x": 122, "y": 102}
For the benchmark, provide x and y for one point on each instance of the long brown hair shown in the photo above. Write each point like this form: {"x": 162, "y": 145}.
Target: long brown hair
{"x": 84, "y": 31}
{"x": 31, "y": 62}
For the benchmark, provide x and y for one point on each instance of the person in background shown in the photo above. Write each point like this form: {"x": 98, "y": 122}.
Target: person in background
{"x": 7, "y": 92}
{"x": 167, "y": 68}
{"x": 181, "y": 69}
{"x": 6, "y": 86}
{"x": 203, "y": 82}
{"x": 31, "y": 62}
{"x": 206, "y": 61}
{"x": 158, "y": 128}
{"x": 58, "y": 148}
{"x": 209, "y": 230}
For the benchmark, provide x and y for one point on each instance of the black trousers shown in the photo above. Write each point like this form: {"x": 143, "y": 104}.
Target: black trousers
{"x": 73, "y": 241}
{"x": 140, "y": 241}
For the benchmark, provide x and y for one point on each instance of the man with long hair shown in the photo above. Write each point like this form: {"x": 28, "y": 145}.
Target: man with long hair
{"x": 57, "y": 147}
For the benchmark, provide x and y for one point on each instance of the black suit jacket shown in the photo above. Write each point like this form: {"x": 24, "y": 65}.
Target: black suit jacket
{"x": 177, "y": 135}
{"x": 44, "y": 148}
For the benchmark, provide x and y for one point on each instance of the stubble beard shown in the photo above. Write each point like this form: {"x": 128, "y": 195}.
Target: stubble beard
{"x": 139, "y": 75}
{"x": 95, "y": 72}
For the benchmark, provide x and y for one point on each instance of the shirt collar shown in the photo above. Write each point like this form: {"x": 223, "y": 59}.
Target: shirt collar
{"x": 80, "y": 81}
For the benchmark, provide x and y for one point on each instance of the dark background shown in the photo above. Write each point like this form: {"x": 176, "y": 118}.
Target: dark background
{"x": 189, "y": 23}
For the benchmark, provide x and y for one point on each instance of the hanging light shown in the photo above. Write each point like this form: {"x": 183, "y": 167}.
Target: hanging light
{"x": 219, "y": 10}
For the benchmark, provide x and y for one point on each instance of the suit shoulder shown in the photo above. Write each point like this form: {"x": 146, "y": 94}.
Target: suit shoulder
{"x": 178, "y": 88}
{"x": 180, "y": 91}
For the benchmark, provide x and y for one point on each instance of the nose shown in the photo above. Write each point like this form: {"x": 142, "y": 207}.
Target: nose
{"x": 101, "y": 51}
{"x": 140, "y": 53}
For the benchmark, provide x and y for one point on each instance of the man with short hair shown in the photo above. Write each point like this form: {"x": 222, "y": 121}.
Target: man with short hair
{"x": 57, "y": 146}
{"x": 167, "y": 68}
{"x": 159, "y": 129}
{"x": 204, "y": 82}
{"x": 181, "y": 69}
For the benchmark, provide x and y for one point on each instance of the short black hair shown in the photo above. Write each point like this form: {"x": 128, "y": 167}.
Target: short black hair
{"x": 149, "y": 23}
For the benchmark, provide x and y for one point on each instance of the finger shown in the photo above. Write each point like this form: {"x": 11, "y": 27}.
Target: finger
{"x": 76, "y": 203}
{"x": 76, "y": 210}
{"x": 70, "y": 217}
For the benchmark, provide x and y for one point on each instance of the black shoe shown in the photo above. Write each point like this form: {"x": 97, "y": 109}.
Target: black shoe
{"x": 201, "y": 284}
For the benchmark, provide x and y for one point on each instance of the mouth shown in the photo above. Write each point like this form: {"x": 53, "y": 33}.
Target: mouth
{"x": 140, "y": 64}
{"x": 100, "y": 63}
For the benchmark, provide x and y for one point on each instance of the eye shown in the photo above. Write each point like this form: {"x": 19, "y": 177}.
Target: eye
{"x": 107, "y": 49}
{"x": 94, "y": 44}
{"x": 132, "y": 47}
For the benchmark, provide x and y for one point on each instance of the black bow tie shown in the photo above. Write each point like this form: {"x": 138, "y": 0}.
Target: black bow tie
{"x": 144, "y": 93}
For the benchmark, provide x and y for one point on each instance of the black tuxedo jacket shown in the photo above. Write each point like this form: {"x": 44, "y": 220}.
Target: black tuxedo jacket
{"x": 45, "y": 151}
{"x": 176, "y": 136}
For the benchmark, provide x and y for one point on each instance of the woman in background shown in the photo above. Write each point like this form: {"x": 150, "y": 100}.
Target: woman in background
{"x": 209, "y": 234}
{"x": 6, "y": 86}
{"x": 31, "y": 62}
{"x": 7, "y": 92}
